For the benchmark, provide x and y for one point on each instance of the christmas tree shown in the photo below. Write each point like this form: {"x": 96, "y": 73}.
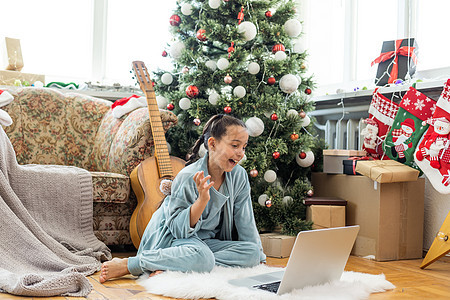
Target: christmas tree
{"x": 245, "y": 58}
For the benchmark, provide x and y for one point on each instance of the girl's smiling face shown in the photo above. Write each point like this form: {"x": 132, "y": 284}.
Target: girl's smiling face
{"x": 224, "y": 154}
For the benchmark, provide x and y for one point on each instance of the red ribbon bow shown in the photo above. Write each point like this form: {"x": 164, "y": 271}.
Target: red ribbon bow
{"x": 403, "y": 51}
{"x": 355, "y": 158}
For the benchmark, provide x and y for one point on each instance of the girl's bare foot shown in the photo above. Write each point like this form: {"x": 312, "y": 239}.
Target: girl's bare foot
{"x": 155, "y": 273}
{"x": 116, "y": 267}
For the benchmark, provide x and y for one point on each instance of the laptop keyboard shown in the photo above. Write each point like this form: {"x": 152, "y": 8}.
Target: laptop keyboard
{"x": 271, "y": 287}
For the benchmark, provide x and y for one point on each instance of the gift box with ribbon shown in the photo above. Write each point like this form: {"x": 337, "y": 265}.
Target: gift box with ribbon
{"x": 398, "y": 58}
{"x": 385, "y": 171}
{"x": 350, "y": 164}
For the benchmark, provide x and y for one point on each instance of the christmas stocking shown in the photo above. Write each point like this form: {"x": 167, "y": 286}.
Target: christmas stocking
{"x": 409, "y": 127}
{"x": 381, "y": 116}
{"x": 433, "y": 153}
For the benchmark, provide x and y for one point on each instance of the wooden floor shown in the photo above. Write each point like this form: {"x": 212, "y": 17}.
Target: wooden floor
{"x": 411, "y": 282}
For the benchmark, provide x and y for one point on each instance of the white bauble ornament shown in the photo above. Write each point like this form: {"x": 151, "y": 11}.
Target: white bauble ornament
{"x": 270, "y": 176}
{"x": 287, "y": 200}
{"x": 239, "y": 91}
{"x": 305, "y": 121}
{"x": 214, "y": 4}
{"x": 223, "y": 63}
{"x": 289, "y": 83}
{"x": 299, "y": 48}
{"x": 211, "y": 64}
{"x": 167, "y": 78}
{"x": 248, "y": 29}
{"x": 292, "y": 113}
{"x": 162, "y": 102}
{"x": 243, "y": 159}
{"x": 213, "y": 98}
{"x": 255, "y": 126}
{"x": 185, "y": 103}
{"x": 293, "y": 27}
{"x": 253, "y": 68}
{"x": 176, "y": 49}
{"x": 307, "y": 161}
{"x": 280, "y": 55}
{"x": 186, "y": 9}
{"x": 262, "y": 199}
{"x": 202, "y": 150}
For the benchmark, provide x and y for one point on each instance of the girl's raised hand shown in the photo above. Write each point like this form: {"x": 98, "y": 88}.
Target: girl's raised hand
{"x": 202, "y": 185}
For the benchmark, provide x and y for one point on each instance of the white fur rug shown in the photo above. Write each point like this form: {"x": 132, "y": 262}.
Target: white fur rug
{"x": 215, "y": 285}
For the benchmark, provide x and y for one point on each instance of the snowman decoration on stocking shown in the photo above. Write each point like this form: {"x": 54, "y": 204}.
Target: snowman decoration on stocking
{"x": 402, "y": 139}
{"x": 436, "y": 147}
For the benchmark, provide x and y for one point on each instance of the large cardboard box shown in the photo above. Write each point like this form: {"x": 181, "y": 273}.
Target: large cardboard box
{"x": 390, "y": 215}
{"x": 277, "y": 245}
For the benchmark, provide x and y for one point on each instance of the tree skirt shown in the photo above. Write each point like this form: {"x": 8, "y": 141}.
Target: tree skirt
{"x": 352, "y": 285}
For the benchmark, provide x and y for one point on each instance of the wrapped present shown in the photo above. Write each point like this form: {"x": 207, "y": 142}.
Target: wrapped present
{"x": 384, "y": 171}
{"x": 398, "y": 58}
{"x": 350, "y": 164}
{"x": 332, "y": 159}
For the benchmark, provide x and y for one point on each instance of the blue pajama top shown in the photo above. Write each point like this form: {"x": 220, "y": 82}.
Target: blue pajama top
{"x": 228, "y": 207}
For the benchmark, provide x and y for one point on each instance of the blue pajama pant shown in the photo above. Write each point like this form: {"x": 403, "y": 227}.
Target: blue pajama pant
{"x": 196, "y": 255}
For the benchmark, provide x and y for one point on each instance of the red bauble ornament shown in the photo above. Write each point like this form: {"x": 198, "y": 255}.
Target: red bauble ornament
{"x": 230, "y": 49}
{"x": 227, "y": 79}
{"x": 276, "y": 155}
{"x": 278, "y": 47}
{"x": 302, "y": 155}
{"x": 164, "y": 53}
{"x": 253, "y": 172}
{"x": 268, "y": 14}
{"x": 294, "y": 136}
{"x": 302, "y": 114}
{"x": 227, "y": 109}
{"x": 308, "y": 91}
{"x": 274, "y": 117}
{"x": 175, "y": 20}
{"x": 201, "y": 35}
{"x": 271, "y": 80}
{"x": 268, "y": 203}
{"x": 170, "y": 106}
{"x": 192, "y": 91}
{"x": 197, "y": 121}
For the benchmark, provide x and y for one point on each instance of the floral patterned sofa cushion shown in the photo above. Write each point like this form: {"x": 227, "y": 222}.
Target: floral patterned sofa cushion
{"x": 78, "y": 130}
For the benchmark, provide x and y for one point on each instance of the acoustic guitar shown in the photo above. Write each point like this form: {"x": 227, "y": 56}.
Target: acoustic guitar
{"x": 147, "y": 176}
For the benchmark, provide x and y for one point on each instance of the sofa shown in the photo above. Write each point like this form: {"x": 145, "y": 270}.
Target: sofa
{"x": 51, "y": 127}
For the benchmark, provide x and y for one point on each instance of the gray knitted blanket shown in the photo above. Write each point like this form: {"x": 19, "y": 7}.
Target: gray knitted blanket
{"x": 47, "y": 244}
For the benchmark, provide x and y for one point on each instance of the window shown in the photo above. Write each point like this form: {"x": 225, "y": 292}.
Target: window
{"x": 136, "y": 30}
{"x": 366, "y": 25}
{"x": 55, "y": 36}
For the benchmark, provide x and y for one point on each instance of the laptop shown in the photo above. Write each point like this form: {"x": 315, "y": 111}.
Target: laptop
{"x": 317, "y": 257}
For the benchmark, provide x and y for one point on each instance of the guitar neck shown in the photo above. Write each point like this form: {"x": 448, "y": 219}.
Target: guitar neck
{"x": 159, "y": 138}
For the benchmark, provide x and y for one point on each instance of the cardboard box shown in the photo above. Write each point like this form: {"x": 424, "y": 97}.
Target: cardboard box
{"x": 326, "y": 216}
{"x": 9, "y": 77}
{"x": 277, "y": 245}
{"x": 384, "y": 171}
{"x": 333, "y": 158}
{"x": 390, "y": 215}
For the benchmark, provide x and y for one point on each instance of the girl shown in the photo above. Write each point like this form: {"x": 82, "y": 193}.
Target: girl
{"x": 208, "y": 218}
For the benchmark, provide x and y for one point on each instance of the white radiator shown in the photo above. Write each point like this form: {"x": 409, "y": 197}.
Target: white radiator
{"x": 344, "y": 134}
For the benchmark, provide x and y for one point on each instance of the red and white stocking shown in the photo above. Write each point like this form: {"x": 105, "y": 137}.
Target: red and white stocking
{"x": 433, "y": 153}
{"x": 382, "y": 112}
